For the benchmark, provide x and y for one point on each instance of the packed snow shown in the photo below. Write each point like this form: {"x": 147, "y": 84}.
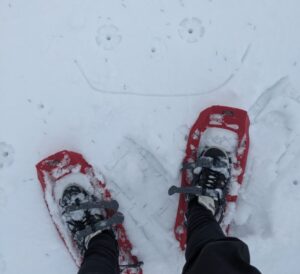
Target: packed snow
{"x": 219, "y": 137}
{"x": 122, "y": 82}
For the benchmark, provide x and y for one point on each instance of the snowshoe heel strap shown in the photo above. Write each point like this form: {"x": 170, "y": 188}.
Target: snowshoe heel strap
{"x": 115, "y": 219}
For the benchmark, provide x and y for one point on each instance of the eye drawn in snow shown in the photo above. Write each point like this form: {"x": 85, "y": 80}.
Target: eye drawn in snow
{"x": 158, "y": 49}
{"x": 108, "y": 37}
{"x": 191, "y": 30}
{"x": 6, "y": 155}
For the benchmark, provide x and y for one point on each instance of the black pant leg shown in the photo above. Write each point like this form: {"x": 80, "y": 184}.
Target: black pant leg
{"x": 102, "y": 255}
{"x": 209, "y": 251}
{"x": 202, "y": 228}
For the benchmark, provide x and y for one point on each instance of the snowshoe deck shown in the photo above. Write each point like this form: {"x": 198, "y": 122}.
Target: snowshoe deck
{"x": 231, "y": 121}
{"x": 65, "y": 167}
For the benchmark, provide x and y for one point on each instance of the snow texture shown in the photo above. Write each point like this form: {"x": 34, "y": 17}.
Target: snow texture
{"x": 217, "y": 137}
{"x": 128, "y": 102}
{"x": 6, "y": 155}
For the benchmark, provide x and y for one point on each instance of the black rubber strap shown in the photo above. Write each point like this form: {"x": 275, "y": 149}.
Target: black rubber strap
{"x": 116, "y": 219}
{"x": 112, "y": 204}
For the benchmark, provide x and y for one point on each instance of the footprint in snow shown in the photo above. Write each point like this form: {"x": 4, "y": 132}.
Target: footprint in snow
{"x": 6, "y": 155}
{"x": 191, "y": 30}
{"x": 277, "y": 119}
{"x": 108, "y": 37}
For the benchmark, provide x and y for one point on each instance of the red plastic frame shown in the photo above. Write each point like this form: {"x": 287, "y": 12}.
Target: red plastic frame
{"x": 55, "y": 161}
{"x": 229, "y": 117}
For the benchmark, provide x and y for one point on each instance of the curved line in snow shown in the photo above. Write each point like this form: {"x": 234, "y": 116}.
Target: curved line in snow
{"x": 131, "y": 93}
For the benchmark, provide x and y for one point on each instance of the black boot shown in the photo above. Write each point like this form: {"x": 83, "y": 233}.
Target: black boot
{"x": 78, "y": 219}
{"x": 213, "y": 176}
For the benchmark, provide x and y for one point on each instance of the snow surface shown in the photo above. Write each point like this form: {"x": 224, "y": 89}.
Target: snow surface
{"x": 219, "y": 137}
{"x": 122, "y": 81}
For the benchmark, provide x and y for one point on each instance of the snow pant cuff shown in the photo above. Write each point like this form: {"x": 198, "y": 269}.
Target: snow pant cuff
{"x": 208, "y": 250}
{"x": 102, "y": 255}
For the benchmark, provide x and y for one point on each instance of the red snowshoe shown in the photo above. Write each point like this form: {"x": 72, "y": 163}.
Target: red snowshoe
{"x": 226, "y": 129}
{"x": 66, "y": 174}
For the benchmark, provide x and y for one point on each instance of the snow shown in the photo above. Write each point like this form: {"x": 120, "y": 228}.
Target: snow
{"x": 218, "y": 137}
{"x": 6, "y": 154}
{"x": 70, "y": 179}
{"x": 128, "y": 102}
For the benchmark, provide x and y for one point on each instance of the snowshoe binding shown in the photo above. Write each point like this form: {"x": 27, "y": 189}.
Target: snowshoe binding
{"x": 214, "y": 166}
{"x": 85, "y": 215}
{"x": 211, "y": 176}
{"x": 81, "y": 206}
